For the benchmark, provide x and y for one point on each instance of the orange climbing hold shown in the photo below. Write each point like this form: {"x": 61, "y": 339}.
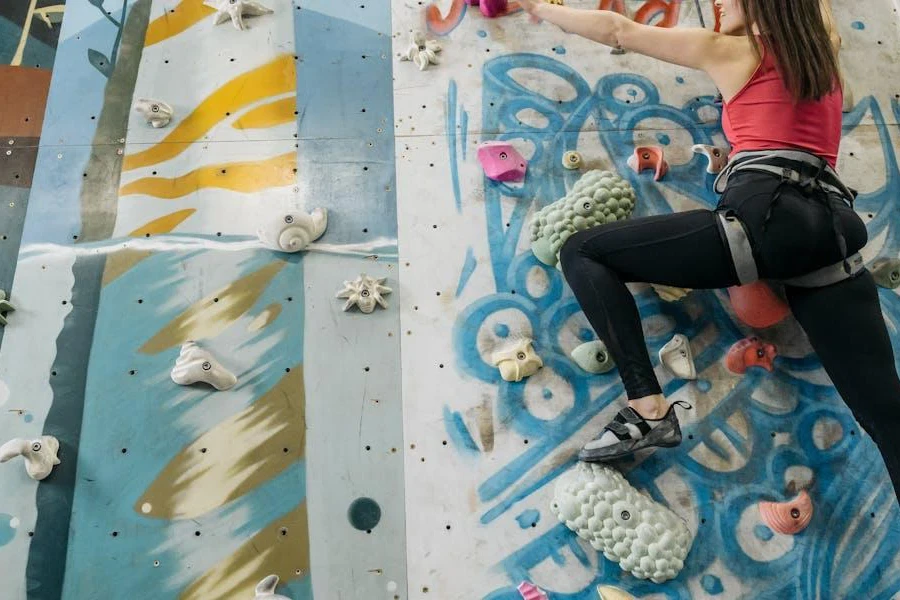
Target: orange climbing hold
{"x": 649, "y": 157}
{"x": 757, "y": 305}
{"x": 790, "y": 517}
{"x": 750, "y": 352}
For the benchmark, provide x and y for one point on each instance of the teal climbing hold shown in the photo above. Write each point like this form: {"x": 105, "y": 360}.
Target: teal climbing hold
{"x": 593, "y": 357}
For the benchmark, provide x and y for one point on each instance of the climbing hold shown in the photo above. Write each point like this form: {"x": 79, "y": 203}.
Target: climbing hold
{"x": 421, "y": 51}
{"x": 668, "y": 293}
{"x": 600, "y": 506}
{"x": 365, "y": 292}
{"x": 196, "y": 365}
{"x": 757, "y": 305}
{"x": 235, "y": 10}
{"x": 572, "y": 160}
{"x": 501, "y": 161}
{"x": 5, "y": 307}
{"x": 750, "y": 352}
{"x": 598, "y": 197}
{"x": 649, "y": 157}
{"x": 157, "y": 112}
{"x": 593, "y": 357}
{"x": 529, "y": 591}
{"x": 517, "y": 361}
{"x": 490, "y": 8}
{"x": 294, "y": 231}
{"x": 677, "y": 357}
{"x": 611, "y": 592}
{"x": 790, "y": 517}
{"x": 886, "y": 272}
{"x": 40, "y": 455}
{"x": 617, "y": 51}
{"x": 717, "y": 157}
{"x": 265, "y": 590}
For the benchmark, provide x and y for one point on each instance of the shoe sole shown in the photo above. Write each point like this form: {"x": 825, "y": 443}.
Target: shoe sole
{"x": 667, "y": 439}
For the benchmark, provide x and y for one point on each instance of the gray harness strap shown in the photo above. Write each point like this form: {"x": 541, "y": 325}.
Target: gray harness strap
{"x": 736, "y": 234}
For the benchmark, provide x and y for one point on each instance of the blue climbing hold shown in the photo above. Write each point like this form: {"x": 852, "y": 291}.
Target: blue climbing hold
{"x": 711, "y": 584}
{"x": 858, "y": 25}
{"x": 501, "y": 330}
{"x": 763, "y": 533}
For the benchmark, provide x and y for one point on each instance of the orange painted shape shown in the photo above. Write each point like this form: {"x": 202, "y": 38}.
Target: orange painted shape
{"x": 615, "y": 5}
{"x": 649, "y": 157}
{"x": 163, "y": 224}
{"x": 271, "y": 79}
{"x": 244, "y": 177}
{"x": 650, "y": 8}
{"x": 268, "y": 115}
{"x": 790, "y": 517}
{"x": 23, "y": 97}
{"x": 440, "y": 24}
{"x": 175, "y": 20}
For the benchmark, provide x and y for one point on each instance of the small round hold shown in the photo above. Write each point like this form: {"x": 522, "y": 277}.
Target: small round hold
{"x": 572, "y": 160}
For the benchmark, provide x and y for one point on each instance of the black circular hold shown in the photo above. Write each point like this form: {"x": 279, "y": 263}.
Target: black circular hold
{"x": 364, "y": 514}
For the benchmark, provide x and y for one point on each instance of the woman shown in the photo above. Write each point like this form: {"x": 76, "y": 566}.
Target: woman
{"x": 775, "y": 63}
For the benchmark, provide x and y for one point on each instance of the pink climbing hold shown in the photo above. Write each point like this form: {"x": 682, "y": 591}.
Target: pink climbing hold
{"x": 502, "y": 162}
{"x": 750, "y": 352}
{"x": 649, "y": 157}
{"x": 757, "y": 305}
{"x": 491, "y": 8}
{"x": 529, "y": 591}
{"x": 790, "y": 517}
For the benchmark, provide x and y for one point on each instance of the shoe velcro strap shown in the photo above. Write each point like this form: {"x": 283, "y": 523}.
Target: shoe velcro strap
{"x": 629, "y": 415}
{"x": 619, "y": 430}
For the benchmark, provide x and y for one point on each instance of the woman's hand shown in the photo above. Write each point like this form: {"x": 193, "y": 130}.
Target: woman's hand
{"x": 530, "y": 6}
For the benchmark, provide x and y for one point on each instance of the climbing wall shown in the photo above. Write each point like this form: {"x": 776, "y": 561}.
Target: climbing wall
{"x": 381, "y": 455}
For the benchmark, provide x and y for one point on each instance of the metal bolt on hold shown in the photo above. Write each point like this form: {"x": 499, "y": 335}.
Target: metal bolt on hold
{"x": 120, "y": 152}
{"x": 59, "y": 156}
{"x": 122, "y": 140}
{"x": 11, "y": 142}
{"x": 9, "y": 152}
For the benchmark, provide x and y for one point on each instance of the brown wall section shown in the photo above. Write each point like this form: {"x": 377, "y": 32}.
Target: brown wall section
{"x": 23, "y": 97}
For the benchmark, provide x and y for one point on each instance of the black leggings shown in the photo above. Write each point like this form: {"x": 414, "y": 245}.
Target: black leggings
{"x": 793, "y": 237}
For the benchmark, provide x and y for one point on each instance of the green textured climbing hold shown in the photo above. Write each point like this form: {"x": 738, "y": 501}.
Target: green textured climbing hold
{"x": 593, "y": 357}
{"x": 886, "y": 272}
{"x": 5, "y": 307}
{"x": 598, "y": 197}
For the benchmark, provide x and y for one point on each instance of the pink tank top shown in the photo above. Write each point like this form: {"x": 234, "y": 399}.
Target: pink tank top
{"x": 763, "y": 116}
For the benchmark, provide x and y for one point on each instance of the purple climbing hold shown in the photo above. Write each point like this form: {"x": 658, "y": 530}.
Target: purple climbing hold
{"x": 502, "y": 162}
{"x": 490, "y": 8}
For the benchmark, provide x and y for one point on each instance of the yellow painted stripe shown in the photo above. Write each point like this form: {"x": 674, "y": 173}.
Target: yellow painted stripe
{"x": 272, "y": 79}
{"x": 163, "y": 224}
{"x": 238, "y": 177}
{"x": 268, "y": 115}
{"x": 211, "y": 315}
{"x": 176, "y": 20}
{"x": 121, "y": 262}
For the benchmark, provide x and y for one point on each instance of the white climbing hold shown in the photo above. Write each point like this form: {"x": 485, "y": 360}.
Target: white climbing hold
{"x": 646, "y": 538}
{"x": 717, "y": 157}
{"x": 572, "y": 160}
{"x": 421, "y": 51}
{"x": 40, "y": 454}
{"x": 294, "y": 231}
{"x": 265, "y": 590}
{"x": 235, "y": 10}
{"x": 196, "y": 365}
{"x": 365, "y": 292}
{"x": 677, "y": 357}
{"x": 611, "y": 592}
{"x": 593, "y": 357}
{"x": 157, "y": 112}
{"x": 517, "y": 361}
{"x": 668, "y": 293}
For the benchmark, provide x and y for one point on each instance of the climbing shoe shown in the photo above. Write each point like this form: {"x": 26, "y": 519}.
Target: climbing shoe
{"x": 629, "y": 432}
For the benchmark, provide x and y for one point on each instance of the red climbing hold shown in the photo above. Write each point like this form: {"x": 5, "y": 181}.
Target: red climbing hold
{"x": 501, "y": 161}
{"x": 790, "y": 517}
{"x": 529, "y": 591}
{"x": 649, "y": 157}
{"x": 757, "y": 305}
{"x": 750, "y": 352}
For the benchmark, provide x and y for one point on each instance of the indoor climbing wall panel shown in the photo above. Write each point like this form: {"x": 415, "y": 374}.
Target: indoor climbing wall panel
{"x": 483, "y": 454}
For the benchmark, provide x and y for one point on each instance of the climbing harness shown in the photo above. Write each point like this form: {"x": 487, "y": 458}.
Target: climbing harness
{"x": 810, "y": 173}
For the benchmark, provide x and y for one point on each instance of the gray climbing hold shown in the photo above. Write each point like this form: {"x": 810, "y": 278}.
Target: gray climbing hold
{"x": 593, "y": 357}
{"x": 156, "y": 112}
{"x": 886, "y": 272}
{"x": 5, "y": 307}
{"x": 598, "y": 197}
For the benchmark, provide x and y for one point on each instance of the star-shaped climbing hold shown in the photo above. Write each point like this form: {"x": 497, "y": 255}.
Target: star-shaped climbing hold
{"x": 235, "y": 10}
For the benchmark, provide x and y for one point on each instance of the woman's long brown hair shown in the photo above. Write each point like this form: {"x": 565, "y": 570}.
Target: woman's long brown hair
{"x": 795, "y": 32}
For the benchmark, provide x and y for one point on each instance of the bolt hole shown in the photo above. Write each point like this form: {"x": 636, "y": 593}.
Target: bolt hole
{"x": 197, "y": 534}
{"x": 124, "y": 450}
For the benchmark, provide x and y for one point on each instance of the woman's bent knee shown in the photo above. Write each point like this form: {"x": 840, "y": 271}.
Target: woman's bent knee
{"x": 570, "y": 252}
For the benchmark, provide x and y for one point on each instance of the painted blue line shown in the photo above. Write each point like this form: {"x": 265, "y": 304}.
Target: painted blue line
{"x": 456, "y": 429}
{"x": 451, "y": 141}
{"x": 464, "y": 133}
{"x": 467, "y": 270}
